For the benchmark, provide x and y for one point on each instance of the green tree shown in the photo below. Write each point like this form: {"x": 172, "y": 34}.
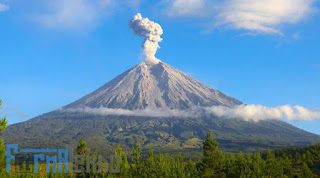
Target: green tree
{"x": 136, "y": 158}
{"x": 230, "y": 166}
{"x": 136, "y": 152}
{"x": 82, "y": 150}
{"x": 249, "y": 166}
{"x": 149, "y": 165}
{"x": 309, "y": 159}
{"x": 3, "y": 126}
{"x": 124, "y": 165}
{"x": 241, "y": 164}
{"x": 150, "y": 154}
{"x": 82, "y": 147}
{"x": 258, "y": 165}
{"x": 274, "y": 167}
{"x": 179, "y": 167}
{"x": 287, "y": 166}
{"x": 213, "y": 161}
{"x": 298, "y": 157}
{"x": 191, "y": 170}
{"x": 306, "y": 172}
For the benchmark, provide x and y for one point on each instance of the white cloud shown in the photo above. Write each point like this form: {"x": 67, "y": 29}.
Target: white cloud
{"x": 263, "y": 16}
{"x": 4, "y": 7}
{"x": 186, "y": 8}
{"x": 9, "y": 111}
{"x": 5, "y": 110}
{"x": 246, "y": 112}
{"x": 78, "y": 14}
{"x": 296, "y": 36}
{"x": 142, "y": 113}
{"x": 259, "y": 112}
{"x": 69, "y": 14}
{"x": 22, "y": 114}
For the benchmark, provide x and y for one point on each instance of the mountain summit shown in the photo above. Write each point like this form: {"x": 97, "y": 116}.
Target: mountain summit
{"x": 154, "y": 86}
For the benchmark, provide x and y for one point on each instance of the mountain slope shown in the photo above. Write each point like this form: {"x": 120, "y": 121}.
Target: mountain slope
{"x": 103, "y": 133}
{"x": 153, "y": 86}
{"x": 156, "y": 86}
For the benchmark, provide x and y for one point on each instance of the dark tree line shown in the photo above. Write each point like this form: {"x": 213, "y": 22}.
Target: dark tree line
{"x": 294, "y": 162}
{"x": 301, "y": 162}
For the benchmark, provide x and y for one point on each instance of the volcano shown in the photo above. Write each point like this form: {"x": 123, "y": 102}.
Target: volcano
{"x": 158, "y": 86}
{"x": 154, "y": 86}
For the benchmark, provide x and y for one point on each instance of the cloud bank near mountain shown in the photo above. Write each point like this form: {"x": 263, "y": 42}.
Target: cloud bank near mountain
{"x": 259, "y": 112}
{"x": 149, "y": 112}
{"x": 247, "y": 112}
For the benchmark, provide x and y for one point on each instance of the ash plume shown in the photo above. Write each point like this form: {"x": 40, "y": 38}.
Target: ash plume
{"x": 152, "y": 32}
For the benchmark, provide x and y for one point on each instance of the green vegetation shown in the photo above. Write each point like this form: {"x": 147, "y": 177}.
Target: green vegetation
{"x": 292, "y": 162}
{"x": 3, "y": 125}
{"x": 165, "y": 135}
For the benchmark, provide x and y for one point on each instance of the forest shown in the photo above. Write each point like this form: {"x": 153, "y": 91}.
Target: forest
{"x": 291, "y": 162}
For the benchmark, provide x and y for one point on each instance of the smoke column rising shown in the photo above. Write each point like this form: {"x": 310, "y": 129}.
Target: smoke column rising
{"x": 152, "y": 32}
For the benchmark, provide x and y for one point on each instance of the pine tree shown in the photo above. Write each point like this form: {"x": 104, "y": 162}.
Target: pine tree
{"x": 82, "y": 150}
{"x": 298, "y": 157}
{"x": 249, "y": 166}
{"x": 179, "y": 167}
{"x": 274, "y": 167}
{"x": 213, "y": 161}
{"x": 82, "y": 147}
{"x": 150, "y": 154}
{"x": 136, "y": 158}
{"x": 309, "y": 159}
{"x": 258, "y": 165}
{"x": 287, "y": 166}
{"x": 230, "y": 166}
{"x": 306, "y": 172}
{"x": 124, "y": 165}
{"x": 136, "y": 152}
{"x": 3, "y": 125}
{"x": 241, "y": 164}
{"x": 190, "y": 170}
{"x": 149, "y": 165}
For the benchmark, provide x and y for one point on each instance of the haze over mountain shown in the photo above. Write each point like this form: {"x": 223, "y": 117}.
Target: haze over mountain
{"x": 153, "y": 86}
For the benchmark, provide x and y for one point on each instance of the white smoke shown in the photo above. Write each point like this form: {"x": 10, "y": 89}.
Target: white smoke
{"x": 246, "y": 112}
{"x": 152, "y": 32}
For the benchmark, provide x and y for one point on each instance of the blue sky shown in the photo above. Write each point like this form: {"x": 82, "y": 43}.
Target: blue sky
{"x": 54, "y": 52}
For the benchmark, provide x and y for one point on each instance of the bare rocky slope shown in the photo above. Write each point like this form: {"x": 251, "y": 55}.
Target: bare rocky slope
{"x": 155, "y": 86}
